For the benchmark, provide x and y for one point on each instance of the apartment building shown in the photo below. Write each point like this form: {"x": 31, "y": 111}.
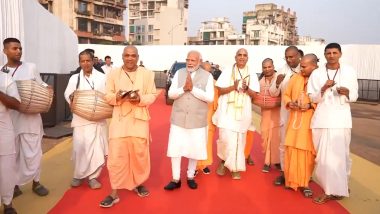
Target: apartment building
{"x": 308, "y": 40}
{"x": 158, "y": 22}
{"x": 270, "y": 25}
{"x": 94, "y": 21}
{"x": 218, "y": 31}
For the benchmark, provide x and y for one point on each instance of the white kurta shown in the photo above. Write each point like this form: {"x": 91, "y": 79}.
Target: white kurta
{"x": 232, "y": 128}
{"x": 29, "y": 130}
{"x": 107, "y": 69}
{"x": 331, "y": 126}
{"x": 7, "y": 142}
{"x": 284, "y": 113}
{"x": 190, "y": 143}
{"x": 90, "y": 139}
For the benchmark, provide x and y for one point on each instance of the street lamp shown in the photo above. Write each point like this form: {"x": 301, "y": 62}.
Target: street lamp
{"x": 171, "y": 31}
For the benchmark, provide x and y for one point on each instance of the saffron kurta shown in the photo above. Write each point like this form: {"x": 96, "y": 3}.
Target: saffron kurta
{"x": 211, "y": 131}
{"x": 128, "y": 157}
{"x": 299, "y": 148}
{"x": 284, "y": 114}
{"x": 90, "y": 138}
{"x": 270, "y": 126}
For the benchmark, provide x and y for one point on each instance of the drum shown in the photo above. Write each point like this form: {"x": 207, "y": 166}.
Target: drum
{"x": 35, "y": 98}
{"x": 91, "y": 105}
{"x": 266, "y": 101}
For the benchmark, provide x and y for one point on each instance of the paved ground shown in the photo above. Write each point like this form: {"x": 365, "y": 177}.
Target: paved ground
{"x": 366, "y": 131}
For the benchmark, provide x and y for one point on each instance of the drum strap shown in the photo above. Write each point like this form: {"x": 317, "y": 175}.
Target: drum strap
{"x": 78, "y": 81}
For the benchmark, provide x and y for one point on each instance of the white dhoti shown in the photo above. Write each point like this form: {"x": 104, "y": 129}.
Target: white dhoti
{"x": 7, "y": 178}
{"x": 28, "y": 157}
{"x": 333, "y": 163}
{"x": 90, "y": 146}
{"x": 190, "y": 143}
{"x": 230, "y": 148}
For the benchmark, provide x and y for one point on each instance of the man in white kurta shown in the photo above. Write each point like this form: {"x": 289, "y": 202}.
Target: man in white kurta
{"x": 8, "y": 95}
{"x": 90, "y": 144}
{"x": 333, "y": 87}
{"x": 237, "y": 85}
{"x": 192, "y": 88}
{"x": 107, "y": 67}
{"x": 28, "y": 127}
{"x": 278, "y": 87}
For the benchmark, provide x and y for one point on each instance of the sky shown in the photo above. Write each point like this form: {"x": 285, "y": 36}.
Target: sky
{"x": 342, "y": 21}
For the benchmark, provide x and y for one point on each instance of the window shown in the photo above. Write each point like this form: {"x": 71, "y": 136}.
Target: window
{"x": 138, "y": 29}
{"x": 95, "y": 28}
{"x": 221, "y": 34}
{"x": 98, "y": 10}
{"x": 150, "y": 28}
{"x": 256, "y": 33}
{"x": 108, "y": 29}
{"x": 150, "y": 38}
{"x": 142, "y": 28}
{"x": 82, "y": 24}
{"x": 82, "y": 7}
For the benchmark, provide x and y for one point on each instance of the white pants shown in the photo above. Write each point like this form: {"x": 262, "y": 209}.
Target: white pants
{"x": 90, "y": 146}
{"x": 176, "y": 168}
{"x": 7, "y": 178}
{"x": 28, "y": 157}
{"x": 230, "y": 148}
{"x": 333, "y": 163}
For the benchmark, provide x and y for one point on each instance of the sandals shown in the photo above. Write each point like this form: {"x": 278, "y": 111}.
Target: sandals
{"x": 40, "y": 190}
{"x": 109, "y": 202}
{"x": 10, "y": 210}
{"x": 141, "y": 191}
{"x": 307, "y": 192}
{"x": 325, "y": 198}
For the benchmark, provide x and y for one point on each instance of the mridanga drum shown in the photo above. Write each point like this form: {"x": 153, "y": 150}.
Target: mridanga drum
{"x": 35, "y": 98}
{"x": 91, "y": 105}
{"x": 266, "y": 101}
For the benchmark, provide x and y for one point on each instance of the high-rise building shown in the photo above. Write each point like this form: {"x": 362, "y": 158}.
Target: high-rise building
{"x": 218, "y": 31}
{"x": 158, "y": 22}
{"x": 269, "y": 25}
{"x": 94, "y": 21}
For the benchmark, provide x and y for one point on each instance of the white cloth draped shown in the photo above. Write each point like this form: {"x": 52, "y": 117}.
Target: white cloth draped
{"x": 7, "y": 178}
{"x": 230, "y": 148}
{"x": 90, "y": 138}
{"x": 333, "y": 162}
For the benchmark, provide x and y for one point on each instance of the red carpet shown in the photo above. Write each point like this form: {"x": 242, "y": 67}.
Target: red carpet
{"x": 254, "y": 193}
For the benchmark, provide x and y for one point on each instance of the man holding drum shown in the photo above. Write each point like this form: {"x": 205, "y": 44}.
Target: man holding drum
{"x": 130, "y": 89}
{"x": 9, "y": 99}
{"x": 28, "y": 127}
{"x": 90, "y": 143}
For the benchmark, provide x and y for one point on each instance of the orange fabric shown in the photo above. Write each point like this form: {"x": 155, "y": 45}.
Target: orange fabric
{"x": 270, "y": 128}
{"x": 299, "y": 148}
{"x": 201, "y": 164}
{"x": 248, "y": 143}
{"x": 128, "y": 162}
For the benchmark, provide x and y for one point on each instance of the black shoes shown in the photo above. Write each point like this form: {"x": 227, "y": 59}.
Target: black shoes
{"x": 173, "y": 185}
{"x": 192, "y": 184}
{"x": 206, "y": 170}
{"x": 279, "y": 181}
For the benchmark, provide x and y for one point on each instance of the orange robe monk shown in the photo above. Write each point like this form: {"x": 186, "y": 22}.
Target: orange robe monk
{"x": 128, "y": 156}
{"x": 201, "y": 164}
{"x": 270, "y": 126}
{"x": 299, "y": 149}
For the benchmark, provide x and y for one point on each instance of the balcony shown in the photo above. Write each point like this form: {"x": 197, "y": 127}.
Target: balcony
{"x": 83, "y": 12}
